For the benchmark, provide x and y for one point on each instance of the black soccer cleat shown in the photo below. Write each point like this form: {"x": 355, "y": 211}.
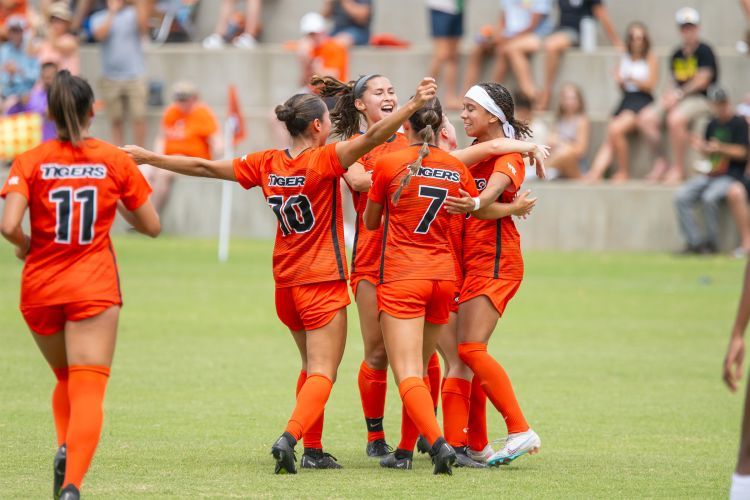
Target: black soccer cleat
{"x": 443, "y": 457}
{"x": 422, "y": 445}
{"x": 315, "y": 458}
{"x": 70, "y": 492}
{"x": 58, "y": 471}
{"x": 463, "y": 460}
{"x": 283, "y": 451}
{"x": 399, "y": 459}
{"x": 378, "y": 448}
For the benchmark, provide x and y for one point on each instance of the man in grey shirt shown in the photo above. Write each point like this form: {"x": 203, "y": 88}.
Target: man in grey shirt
{"x": 123, "y": 83}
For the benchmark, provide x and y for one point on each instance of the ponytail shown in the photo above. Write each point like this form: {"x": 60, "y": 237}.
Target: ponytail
{"x": 345, "y": 117}
{"x": 70, "y": 102}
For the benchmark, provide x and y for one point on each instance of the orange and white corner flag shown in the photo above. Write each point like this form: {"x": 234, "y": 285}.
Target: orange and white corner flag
{"x": 234, "y": 110}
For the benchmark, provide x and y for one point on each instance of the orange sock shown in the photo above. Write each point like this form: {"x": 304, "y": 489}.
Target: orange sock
{"x": 86, "y": 387}
{"x": 477, "y": 435}
{"x": 312, "y": 438}
{"x": 409, "y": 432}
{"x": 311, "y": 401}
{"x": 496, "y": 384}
{"x": 416, "y": 397}
{"x": 456, "y": 393}
{"x": 372, "y": 387}
{"x": 61, "y": 404}
{"x": 433, "y": 373}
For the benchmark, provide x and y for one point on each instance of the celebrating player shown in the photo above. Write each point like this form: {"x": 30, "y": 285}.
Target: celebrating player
{"x": 301, "y": 185}
{"x": 70, "y": 293}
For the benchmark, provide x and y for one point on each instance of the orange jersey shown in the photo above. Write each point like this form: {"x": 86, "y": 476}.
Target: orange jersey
{"x": 492, "y": 248}
{"x": 366, "y": 253}
{"x": 417, "y": 231}
{"x": 73, "y": 194}
{"x": 334, "y": 57}
{"x": 188, "y": 134}
{"x": 304, "y": 194}
{"x": 457, "y": 245}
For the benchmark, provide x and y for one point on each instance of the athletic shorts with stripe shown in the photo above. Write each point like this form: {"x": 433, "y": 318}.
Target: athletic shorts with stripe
{"x": 499, "y": 291}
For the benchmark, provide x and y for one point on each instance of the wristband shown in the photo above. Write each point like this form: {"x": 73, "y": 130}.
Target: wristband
{"x": 477, "y": 203}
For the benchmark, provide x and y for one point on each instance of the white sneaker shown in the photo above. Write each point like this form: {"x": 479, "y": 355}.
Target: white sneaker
{"x": 516, "y": 445}
{"x": 245, "y": 41}
{"x": 481, "y": 456}
{"x": 214, "y": 41}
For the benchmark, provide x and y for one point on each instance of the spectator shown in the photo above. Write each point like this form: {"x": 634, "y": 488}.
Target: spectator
{"x": 569, "y": 139}
{"x": 725, "y": 145}
{"x": 351, "y": 20}
{"x": 446, "y": 19}
{"x": 188, "y": 128}
{"x": 539, "y": 130}
{"x": 59, "y": 46}
{"x": 319, "y": 53}
{"x": 567, "y": 35}
{"x": 522, "y": 26}
{"x": 10, "y": 8}
{"x": 637, "y": 76}
{"x": 693, "y": 67}
{"x": 119, "y": 28}
{"x": 37, "y": 101}
{"x": 243, "y": 35}
{"x": 18, "y": 70}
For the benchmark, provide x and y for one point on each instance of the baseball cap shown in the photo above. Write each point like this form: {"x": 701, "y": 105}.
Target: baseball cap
{"x": 60, "y": 10}
{"x": 16, "y": 22}
{"x": 687, "y": 15}
{"x": 312, "y": 22}
{"x": 183, "y": 91}
{"x": 717, "y": 94}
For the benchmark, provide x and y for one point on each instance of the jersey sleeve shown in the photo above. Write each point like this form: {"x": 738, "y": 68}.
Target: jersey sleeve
{"x": 328, "y": 164}
{"x": 706, "y": 58}
{"x": 247, "y": 169}
{"x": 134, "y": 188}
{"x": 506, "y": 165}
{"x": 379, "y": 190}
{"x": 16, "y": 181}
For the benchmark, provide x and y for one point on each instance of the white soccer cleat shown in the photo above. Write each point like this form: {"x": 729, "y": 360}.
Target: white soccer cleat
{"x": 481, "y": 456}
{"x": 516, "y": 445}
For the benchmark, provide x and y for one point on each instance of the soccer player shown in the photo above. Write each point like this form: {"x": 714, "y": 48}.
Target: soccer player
{"x": 70, "y": 292}
{"x": 301, "y": 186}
{"x": 492, "y": 262}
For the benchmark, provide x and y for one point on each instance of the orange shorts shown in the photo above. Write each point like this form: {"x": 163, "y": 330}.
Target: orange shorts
{"x": 456, "y": 296}
{"x": 356, "y": 279}
{"x": 308, "y": 307}
{"x": 48, "y": 320}
{"x": 499, "y": 291}
{"x": 408, "y": 299}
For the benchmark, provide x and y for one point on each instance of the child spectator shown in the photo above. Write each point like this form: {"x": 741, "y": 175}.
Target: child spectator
{"x": 243, "y": 37}
{"x": 320, "y": 54}
{"x": 18, "y": 70}
{"x": 37, "y": 101}
{"x": 569, "y": 139}
{"x": 446, "y": 19}
{"x": 59, "y": 46}
{"x": 637, "y": 76}
{"x": 351, "y": 20}
{"x": 725, "y": 145}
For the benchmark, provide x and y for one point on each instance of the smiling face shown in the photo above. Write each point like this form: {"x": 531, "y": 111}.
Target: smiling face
{"x": 378, "y": 100}
{"x": 477, "y": 120}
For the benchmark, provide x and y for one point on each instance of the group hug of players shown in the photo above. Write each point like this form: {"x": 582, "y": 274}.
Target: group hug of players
{"x": 436, "y": 260}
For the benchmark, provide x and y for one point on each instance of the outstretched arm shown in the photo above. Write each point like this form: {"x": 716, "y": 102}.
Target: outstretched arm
{"x": 503, "y": 146}
{"x": 736, "y": 350}
{"x": 186, "y": 165}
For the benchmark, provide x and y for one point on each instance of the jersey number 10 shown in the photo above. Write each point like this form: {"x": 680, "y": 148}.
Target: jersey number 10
{"x": 63, "y": 198}
{"x": 295, "y": 213}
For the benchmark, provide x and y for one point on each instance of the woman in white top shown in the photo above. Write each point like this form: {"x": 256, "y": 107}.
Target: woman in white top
{"x": 637, "y": 75}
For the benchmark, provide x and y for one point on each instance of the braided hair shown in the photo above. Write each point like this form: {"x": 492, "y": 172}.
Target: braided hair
{"x": 504, "y": 99}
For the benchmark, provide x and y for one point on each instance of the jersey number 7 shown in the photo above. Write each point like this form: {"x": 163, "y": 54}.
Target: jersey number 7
{"x": 295, "y": 213}
{"x": 63, "y": 198}
{"x": 438, "y": 196}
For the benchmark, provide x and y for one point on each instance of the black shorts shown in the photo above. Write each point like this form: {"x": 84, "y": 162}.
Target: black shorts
{"x": 634, "y": 101}
{"x": 446, "y": 25}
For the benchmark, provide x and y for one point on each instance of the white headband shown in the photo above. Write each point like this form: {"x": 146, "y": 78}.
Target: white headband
{"x": 481, "y": 97}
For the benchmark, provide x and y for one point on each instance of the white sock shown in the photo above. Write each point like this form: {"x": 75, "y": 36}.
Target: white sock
{"x": 740, "y": 489}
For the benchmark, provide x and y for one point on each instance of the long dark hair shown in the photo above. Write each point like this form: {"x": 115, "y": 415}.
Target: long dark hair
{"x": 299, "y": 111}
{"x": 504, "y": 99}
{"x": 345, "y": 117}
{"x": 70, "y": 103}
{"x": 629, "y": 42}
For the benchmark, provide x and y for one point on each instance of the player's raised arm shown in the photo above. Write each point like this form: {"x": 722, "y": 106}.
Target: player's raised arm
{"x": 186, "y": 165}
{"x": 350, "y": 151}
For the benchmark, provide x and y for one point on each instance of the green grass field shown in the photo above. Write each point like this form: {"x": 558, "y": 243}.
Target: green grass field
{"x": 616, "y": 359}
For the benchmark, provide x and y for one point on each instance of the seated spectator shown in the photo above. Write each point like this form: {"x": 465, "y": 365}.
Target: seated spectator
{"x": 320, "y": 54}
{"x": 10, "y": 8}
{"x": 522, "y": 26}
{"x": 351, "y": 20}
{"x": 242, "y": 33}
{"x": 567, "y": 34}
{"x": 188, "y": 128}
{"x": 59, "y": 46}
{"x": 37, "y": 101}
{"x": 569, "y": 139}
{"x": 446, "y": 20}
{"x": 725, "y": 146}
{"x": 637, "y": 76}
{"x": 524, "y": 111}
{"x": 694, "y": 68}
{"x": 18, "y": 70}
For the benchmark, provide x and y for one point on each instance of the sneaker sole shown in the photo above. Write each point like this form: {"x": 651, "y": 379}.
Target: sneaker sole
{"x": 505, "y": 461}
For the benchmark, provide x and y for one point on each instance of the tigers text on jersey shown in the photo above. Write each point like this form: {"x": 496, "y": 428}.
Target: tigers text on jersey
{"x": 417, "y": 231}
{"x": 492, "y": 248}
{"x": 72, "y": 195}
{"x": 304, "y": 194}
{"x": 366, "y": 253}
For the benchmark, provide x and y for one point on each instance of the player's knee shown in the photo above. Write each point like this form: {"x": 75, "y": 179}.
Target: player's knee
{"x": 377, "y": 358}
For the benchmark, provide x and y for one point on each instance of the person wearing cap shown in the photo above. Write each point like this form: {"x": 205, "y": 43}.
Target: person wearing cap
{"x": 59, "y": 46}
{"x": 351, "y": 20}
{"x": 18, "y": 70}
{"x": 725, "y": 147}
{"x": 320, "y": 54}
{"x": 188, "y": 128}
{"x": 10, "y": 8}
{"x": 694, "y": 69}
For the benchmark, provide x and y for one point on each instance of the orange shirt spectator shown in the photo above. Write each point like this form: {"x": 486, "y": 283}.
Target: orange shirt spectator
{"x": 189, "y": 126}
{"x": 320, "y": 54}
{"x": 10, "y": 8}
